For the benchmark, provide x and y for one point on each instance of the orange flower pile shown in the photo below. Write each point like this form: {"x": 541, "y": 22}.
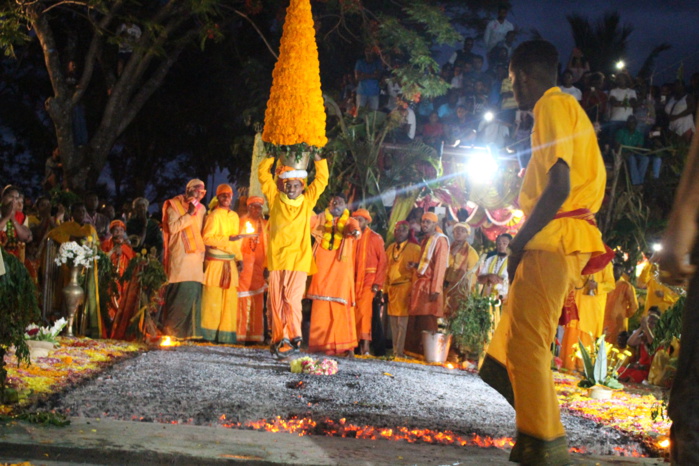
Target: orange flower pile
{"x": 295, "y": 112}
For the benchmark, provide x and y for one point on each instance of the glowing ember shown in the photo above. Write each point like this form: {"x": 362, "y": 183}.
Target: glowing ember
{"x": 249, "y": 229}
{"x": 330, "y": 428}
{"x": 449, "y": 365}
{"x": 167, "y": 341}
{"x": 664, "y": 443}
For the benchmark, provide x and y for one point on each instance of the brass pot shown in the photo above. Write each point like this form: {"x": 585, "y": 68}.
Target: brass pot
{"x": 74, "y": 297}
{"x": 289, "y": 159}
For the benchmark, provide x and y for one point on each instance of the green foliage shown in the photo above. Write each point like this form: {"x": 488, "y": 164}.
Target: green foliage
{"x": 149, "y": 272}
{"x": 18, "y": 308}
{"x": 44, "y": 418}
{"x": 603, "y": 42}
{"x": 669, "y": 326}
{"x": 597, "y": 370}
{"x": 472, "y": 323}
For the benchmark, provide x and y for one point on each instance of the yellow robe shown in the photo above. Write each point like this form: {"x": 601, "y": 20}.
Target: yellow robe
{"x": 399, "y": 276}
{"x": 518, "y": 359}
{"x": 590, "y": 324}
{"x": 289, "y": 246}
{"x": 654, "y": 288}
{"x": 219, "y": 304}
{"x": 621, "y": 304}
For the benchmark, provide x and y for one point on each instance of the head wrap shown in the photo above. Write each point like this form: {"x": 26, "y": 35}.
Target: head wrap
{"x": 401, "y": 223}
{"x": 224, "y": 188}
{"x": 463, "y": 225}
{"x": 430, "y": 216}
{"x": 362, "y": 213}
{"x": 195, "y": 182}
{"x": 117, "y": 223}
{"x": 255, "y": 200}
{"x": 288, "y": 173}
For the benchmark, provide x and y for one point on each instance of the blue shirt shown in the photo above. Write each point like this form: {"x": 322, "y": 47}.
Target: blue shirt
{"x": 368, "y": 87}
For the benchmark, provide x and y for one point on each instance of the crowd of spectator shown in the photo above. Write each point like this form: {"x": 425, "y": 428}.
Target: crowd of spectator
{"x": 635, "y": 116}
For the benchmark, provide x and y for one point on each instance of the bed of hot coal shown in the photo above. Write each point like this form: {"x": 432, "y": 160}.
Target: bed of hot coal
{"x": 238, "y": 387}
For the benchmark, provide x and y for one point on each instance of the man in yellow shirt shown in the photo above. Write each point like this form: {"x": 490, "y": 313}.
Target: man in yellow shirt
{"x": 657, "y": 294}
{"x": 222, "y": 263}
{"x": 289, "y": 253}
{"x": 402, "y": 256}
{"x": 562, "y": 190}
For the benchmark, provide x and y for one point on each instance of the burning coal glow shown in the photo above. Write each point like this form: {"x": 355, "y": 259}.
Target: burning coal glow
{"x": 167, "y": 341}
{"x": 341, "y": 428}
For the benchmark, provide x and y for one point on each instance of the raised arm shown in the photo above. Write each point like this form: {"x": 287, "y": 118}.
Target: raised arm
{"x": 316, "y": 188}
{"x": 269, "y": 188}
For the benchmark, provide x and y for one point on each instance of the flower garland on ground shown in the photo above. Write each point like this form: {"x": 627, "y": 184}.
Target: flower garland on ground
{"x": 295, "y": 111}
{"x": 330, "y": 241}
{"x": 308, "y": 365}
{"x": 629, "y": 413}
{"x": 77, "y": 359}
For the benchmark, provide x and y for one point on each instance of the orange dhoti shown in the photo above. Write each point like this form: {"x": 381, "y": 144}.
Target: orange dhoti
{"x": 251, "y": 283}
{"x": 332, "y": 328}
{"x": 518, "y": 360}
{"x": 333, "y": 323}
{"x": 284, "y": 297}
{"x": 363, "y": 310}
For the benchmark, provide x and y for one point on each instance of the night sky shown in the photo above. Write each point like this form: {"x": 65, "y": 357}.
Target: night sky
{"x": 655, "y": 21}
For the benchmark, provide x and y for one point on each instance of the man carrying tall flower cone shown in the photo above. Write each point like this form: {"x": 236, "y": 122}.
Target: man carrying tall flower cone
{"x": 289, "y": 253}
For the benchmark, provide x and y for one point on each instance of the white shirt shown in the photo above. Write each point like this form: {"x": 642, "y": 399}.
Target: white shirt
{"x": 496, "y": 32}
{"x": 411, "y": 122}
{"x": 572, "y": 90}
{"x": 621, "y": 95}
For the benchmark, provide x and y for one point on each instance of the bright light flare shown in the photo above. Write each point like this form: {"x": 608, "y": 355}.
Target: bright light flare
{"x": 664, "y": 443}
{"x": 249, "y": 229}
{"x": 657, "y": 247}
{"x": 488, "y": 116}
{"x": 481, "y": 166}
{"x": 620, "y": 65}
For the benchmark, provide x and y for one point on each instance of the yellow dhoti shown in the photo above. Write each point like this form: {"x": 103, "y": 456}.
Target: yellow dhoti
{"x": 523, "y": 337}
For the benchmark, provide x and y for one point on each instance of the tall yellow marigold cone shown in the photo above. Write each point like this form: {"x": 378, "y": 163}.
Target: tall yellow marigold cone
{"x": 295, "y": 111}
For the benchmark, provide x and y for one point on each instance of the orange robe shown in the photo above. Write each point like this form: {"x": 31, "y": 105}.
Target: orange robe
{"x": 333, "y": 327}
{"x": 251, "y": 282}
{"x": 621, "y": 304}
{"x": 370, "y": 270}
{"x": 430, "y": 279}
{"x": 124, "y": 306}
{"x": 518, "y": 360}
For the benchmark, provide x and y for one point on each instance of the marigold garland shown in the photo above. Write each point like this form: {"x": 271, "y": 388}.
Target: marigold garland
{"x": 295, "y": 111}
{"x": 330, "y": 241}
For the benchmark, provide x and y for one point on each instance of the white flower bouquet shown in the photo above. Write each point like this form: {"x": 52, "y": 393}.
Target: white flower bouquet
{"x": 34, "y": 332}
{"x": 308, "y": 365}
{"x": 74, "y": 254}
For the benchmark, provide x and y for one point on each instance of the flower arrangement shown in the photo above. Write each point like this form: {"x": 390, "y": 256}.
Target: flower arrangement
{"x": 74, "y": 254}
{"x": 50, "y": 334}
{"x": 308, "y": 365}
{"x": 295, "y": 111}
{"x": 601, "y": 364}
